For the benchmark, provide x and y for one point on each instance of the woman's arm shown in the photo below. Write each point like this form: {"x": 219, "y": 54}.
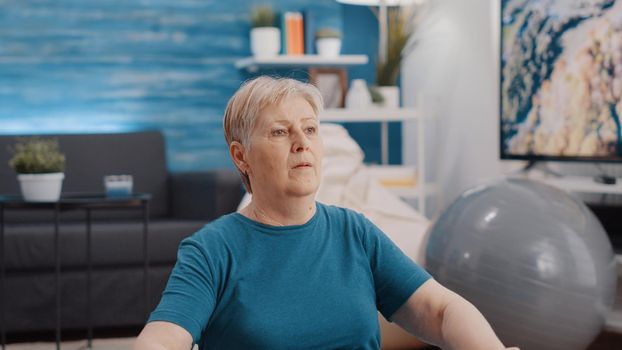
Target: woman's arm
{"x": 443, "y": 318}
{"x": 159, "y": 335}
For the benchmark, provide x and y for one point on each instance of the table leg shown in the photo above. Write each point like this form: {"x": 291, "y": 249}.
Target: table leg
{"x": 89, "y": 271}
{"x": 57, "y": 271}
{"x": 146, "y": 255}
{"x": 384, "y": 142}
{"x": 2, "y": 277}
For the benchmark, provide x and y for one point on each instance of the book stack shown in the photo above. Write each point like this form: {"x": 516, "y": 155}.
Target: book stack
{"x": 296, "y": 33}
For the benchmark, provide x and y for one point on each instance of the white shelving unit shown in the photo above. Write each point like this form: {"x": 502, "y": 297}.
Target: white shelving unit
{"x": 421, "y": 189}
{"x": 252, "y": 64}
{"x": 372, "y": 114}
{"x": 583, "y": 184}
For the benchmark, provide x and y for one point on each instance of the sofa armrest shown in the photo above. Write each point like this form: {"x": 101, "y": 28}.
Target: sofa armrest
{"x": 205, "y": 195}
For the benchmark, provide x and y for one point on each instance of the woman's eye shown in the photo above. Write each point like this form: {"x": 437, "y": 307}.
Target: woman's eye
{"x": 279, "y": 132}
{"x": 311, "y": 130}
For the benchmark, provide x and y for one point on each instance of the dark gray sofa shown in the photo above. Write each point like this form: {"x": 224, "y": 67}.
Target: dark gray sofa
{"x": 181, "y": 204}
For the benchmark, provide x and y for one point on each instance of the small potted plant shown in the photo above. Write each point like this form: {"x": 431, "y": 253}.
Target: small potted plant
{"x": 40, "y": 166}
{"x": 265, "y": 36}
{"x": 328, "y": 42}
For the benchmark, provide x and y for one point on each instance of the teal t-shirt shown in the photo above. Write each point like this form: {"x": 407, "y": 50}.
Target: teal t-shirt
{"x": 240, "y": 284}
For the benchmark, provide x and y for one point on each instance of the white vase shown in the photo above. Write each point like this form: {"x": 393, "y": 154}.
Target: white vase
{"x": 390, "y": 95}
{"x": 328, "y": 47}
{"x": 265, "y": 41}
{"x": 358, "y": 95}
{"x": 41, "y": 187}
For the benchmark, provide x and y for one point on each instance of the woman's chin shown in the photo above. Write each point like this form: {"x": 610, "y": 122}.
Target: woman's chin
{"x": 303, "y": 190}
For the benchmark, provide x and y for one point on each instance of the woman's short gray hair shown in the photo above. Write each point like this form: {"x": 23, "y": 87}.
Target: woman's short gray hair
{"x": 250, "y": 100}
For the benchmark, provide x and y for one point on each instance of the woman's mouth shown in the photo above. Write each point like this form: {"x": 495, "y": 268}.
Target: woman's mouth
{"x": 303, "y": 165}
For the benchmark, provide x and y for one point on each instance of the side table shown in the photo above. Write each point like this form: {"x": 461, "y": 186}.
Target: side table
{"x": 67, "y": 202}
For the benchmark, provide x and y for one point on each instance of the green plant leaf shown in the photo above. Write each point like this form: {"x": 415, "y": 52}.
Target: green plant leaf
{"x": 401, "y": 25}
{"x": 36, "y": 155}
{"x": 262, "y": 16}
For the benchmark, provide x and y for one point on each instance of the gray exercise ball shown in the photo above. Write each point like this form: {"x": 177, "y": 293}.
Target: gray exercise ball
{"x": 533, "y": 259}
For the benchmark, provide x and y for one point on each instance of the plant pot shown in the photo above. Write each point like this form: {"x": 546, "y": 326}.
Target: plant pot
{"x": 390, "y": 96}
{"x": 328, "y": 47}
{"x": 41, "y": 187}
{"x": 265, "y": 41}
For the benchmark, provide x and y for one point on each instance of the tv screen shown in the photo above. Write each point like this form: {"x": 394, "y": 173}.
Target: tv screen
{"x": 561, "y": 80}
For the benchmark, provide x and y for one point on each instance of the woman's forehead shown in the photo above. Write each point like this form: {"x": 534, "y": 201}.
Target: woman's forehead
{"x": 296, "y": 108}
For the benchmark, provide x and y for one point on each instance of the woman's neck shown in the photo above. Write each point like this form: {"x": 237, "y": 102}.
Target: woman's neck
{"x": 280, "y": 213}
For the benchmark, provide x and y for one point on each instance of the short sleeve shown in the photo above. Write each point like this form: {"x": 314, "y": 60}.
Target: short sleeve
{"x": 189, "y": 297}
{"x": 396, "y": 276}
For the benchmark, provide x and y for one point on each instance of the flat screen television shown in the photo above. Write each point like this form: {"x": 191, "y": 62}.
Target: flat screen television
{"x": 561, "y": 80}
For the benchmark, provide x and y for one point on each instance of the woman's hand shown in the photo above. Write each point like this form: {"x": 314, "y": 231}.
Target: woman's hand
{"x": 159, "y": 335}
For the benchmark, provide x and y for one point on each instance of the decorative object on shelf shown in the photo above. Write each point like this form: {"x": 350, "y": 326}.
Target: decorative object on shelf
{"x": 358, "y": 95}
{"x": 39, "y": 165}
{"x": 118, "y": 185}
{"x": 332, "y": 83}
{"x": 401, "y": 25}
{"x": 390, "y": 96}
{"x": 328, "y": 42}
{"x": 394, "y": 176}
{"x": 397, "y": 21}
{"x": 265, "y": 37}
{"x": 376, "y": 96}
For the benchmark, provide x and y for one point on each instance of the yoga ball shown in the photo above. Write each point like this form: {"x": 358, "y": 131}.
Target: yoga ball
{"x": 532, "y": 258}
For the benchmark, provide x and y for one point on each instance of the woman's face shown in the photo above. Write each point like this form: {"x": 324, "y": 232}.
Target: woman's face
{"x": 285, "y": 155}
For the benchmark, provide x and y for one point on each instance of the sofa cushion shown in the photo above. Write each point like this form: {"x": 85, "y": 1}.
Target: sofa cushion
{"x": 30, "y": 247}
{"x": 89, "y": 157}
{"x": 205, "y": 195}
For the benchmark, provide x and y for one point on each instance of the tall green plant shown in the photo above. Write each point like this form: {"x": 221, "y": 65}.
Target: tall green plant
{"x": 37, "y": 156}
{"x": 401, "y": 25}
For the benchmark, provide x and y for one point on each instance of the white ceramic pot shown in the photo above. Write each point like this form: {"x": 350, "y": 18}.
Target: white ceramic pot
{"x": 391, "y": 96}
{"x": 328, "y": 47}
{"x": 41, "y": 187}
{"x": 265, "y": 41}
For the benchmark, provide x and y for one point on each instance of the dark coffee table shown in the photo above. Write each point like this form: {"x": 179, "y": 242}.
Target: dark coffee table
{"x": 67, "y": 202}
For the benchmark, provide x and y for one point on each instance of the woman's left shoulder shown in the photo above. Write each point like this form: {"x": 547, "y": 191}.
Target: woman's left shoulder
{"x": 333, "y": 210}
{"x": 346, "y": 215}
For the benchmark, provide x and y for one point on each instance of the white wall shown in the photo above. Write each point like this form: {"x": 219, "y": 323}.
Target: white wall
{"x": 454, "y": 73}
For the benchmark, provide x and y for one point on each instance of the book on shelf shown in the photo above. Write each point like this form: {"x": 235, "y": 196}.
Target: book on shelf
{"x": 299, "y": 38}
{"x": 308, "y": 22}
{"x": 292, "y": 33}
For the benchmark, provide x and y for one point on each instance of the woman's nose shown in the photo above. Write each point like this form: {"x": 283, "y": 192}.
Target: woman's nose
{"x": 300, "y": 142}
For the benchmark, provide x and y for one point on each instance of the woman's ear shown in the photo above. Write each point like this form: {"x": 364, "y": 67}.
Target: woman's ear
{"x": 238, "y": 155}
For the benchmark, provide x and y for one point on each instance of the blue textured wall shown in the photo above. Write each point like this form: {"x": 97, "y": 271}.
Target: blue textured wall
{"x": 115, "y": 65}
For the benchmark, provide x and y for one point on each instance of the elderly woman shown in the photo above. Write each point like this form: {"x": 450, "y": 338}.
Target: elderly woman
{"x": 287, "y": 272}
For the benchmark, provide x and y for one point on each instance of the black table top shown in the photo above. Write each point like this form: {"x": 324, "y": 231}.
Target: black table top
{"x": 78, "y": 200}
